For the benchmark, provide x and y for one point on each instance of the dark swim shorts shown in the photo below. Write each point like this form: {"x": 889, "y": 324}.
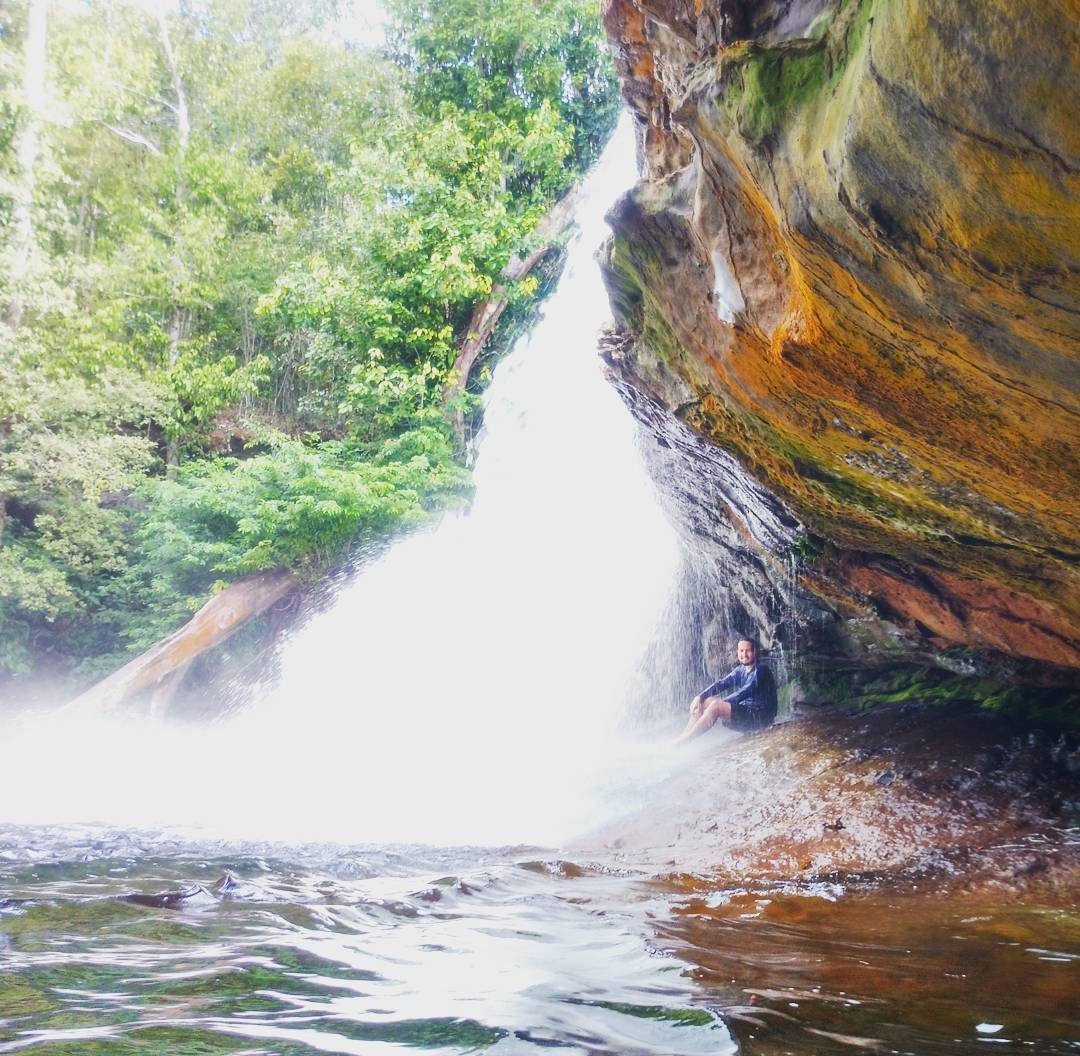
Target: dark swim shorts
{"x": 745, "y": 717}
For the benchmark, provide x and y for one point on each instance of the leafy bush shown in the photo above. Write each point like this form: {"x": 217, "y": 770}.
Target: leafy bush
{"x": 293, "y": 505}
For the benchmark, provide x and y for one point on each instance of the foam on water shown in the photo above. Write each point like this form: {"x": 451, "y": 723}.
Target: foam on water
{"x": 468, "y": 685}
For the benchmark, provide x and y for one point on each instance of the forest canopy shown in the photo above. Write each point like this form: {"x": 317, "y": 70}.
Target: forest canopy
{"x": 240, "y": 256}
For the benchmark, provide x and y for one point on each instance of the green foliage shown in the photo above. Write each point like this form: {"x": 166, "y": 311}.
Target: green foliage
{"x": 66, "y": 442}
{"x": 203, "y": 387}
{"x": 293, "y": 505}
{"x": 290, "y": 505}
{"x": 299, "y": 259}
{"x": 808, "y": 548}
{"x": 388, "y": 398}
{"x": 521, "y": 63}
{"x": 426, "y": 219}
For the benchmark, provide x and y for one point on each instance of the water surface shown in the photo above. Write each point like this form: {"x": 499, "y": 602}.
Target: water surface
{"x": 336, "y": 949}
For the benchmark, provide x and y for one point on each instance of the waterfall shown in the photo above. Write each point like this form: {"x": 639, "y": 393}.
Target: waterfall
{"x": 467, "y": 686}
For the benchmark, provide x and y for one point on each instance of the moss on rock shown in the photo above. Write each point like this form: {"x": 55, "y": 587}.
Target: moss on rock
{"x": 905, "y": 683}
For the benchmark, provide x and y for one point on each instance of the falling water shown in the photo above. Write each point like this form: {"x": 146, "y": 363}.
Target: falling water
{"x": 471, "y": 686}
{"x": 468, "y": 685}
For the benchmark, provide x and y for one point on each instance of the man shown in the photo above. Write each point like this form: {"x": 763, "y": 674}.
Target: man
{"x": 748, "y": 701}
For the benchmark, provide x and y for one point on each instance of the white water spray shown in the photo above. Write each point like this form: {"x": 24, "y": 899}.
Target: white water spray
{"x": 468, "y": 686}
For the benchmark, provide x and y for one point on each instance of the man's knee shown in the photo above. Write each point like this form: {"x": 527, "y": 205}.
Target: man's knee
{"x": 719, "y": 709}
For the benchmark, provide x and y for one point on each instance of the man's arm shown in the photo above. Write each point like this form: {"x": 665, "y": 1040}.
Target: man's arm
{"x": 748, "y": 690}
{"x": 719, "y": 685}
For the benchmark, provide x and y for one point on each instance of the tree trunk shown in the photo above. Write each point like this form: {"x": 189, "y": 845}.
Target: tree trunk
{"x": 485, "y": 318}
{"x": 80, "y": 223}
{"x": 163, "y": 665}
{"x": 163, "y": 694}
{"x": 172, "y": 445}
{"x": 22, "y": 210}
{"x": 183, "y": 139}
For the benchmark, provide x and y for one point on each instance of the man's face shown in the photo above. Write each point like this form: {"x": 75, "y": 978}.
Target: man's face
{"x": 746, "y": 653}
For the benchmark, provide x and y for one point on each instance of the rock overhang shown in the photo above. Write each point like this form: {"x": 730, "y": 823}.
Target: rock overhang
{"x": 850, "y": 265}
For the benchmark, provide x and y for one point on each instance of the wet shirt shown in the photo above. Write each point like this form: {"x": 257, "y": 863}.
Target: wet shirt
{"x": 752, "y": 687}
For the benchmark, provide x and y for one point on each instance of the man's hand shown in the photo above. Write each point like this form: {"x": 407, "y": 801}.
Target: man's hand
{"x": 697, "y": 705}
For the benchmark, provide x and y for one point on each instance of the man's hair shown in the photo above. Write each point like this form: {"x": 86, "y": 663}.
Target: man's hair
{"x": 753, "y": 644}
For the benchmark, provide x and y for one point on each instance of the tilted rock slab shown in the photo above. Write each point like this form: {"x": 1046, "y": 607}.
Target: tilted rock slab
{"x": 160, "y": 669}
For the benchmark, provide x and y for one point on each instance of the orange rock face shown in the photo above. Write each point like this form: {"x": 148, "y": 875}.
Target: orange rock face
{"x": 852, "y": 264}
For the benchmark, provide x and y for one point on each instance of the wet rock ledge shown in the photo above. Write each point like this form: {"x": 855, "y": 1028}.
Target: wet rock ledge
{"x": 943, "y": 799}
{"x": 846, "y": 299}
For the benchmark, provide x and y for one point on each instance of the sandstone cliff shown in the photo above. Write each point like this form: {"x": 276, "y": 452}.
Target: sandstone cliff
{"x": 850, "y": 267}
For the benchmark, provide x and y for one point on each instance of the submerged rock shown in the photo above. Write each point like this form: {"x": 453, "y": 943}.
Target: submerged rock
{"x": 849, "y": 269}
{"x": 192, "y": 896}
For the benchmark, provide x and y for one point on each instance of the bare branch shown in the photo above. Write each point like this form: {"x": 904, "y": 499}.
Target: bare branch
{"x": 133, "y": 137}
{"x": 127, "y": 89}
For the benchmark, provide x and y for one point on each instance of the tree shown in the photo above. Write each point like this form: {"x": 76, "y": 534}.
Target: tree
{"x": 66, "y": 442}
{"x": 509, "y": 60}
{"x": 183, "y": 140}
{"x": 22, "y": 213}
{"x": 255, "y": 254}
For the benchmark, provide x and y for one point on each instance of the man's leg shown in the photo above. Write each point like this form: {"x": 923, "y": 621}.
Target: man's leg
{"x": 697, "y": 706}
{"x": 714, "y": 709}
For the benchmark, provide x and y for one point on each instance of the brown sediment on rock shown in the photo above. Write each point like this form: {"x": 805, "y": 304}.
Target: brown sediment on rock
{"x": 891, "y": 796}
{"x": 957, "y": 611}
{"x": 852, "y": 264}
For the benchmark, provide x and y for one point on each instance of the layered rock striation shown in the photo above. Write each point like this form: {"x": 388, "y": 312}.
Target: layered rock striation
{"x": 850, "y": 270}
